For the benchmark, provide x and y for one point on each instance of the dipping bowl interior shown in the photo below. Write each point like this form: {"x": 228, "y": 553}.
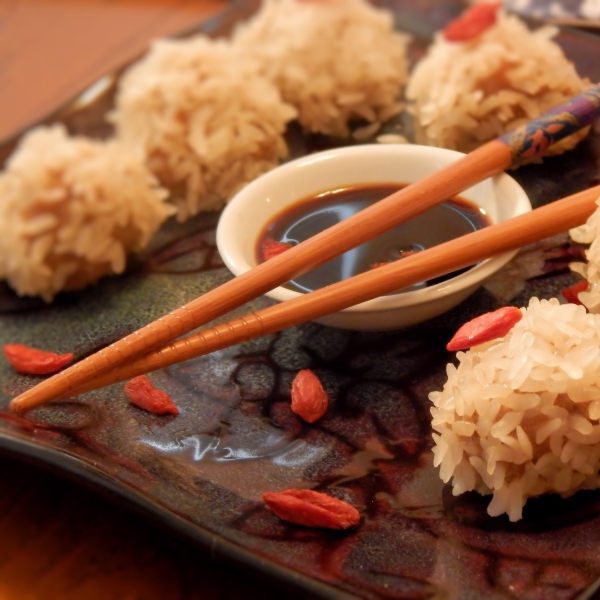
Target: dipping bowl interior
{"x": 247, "y": 214}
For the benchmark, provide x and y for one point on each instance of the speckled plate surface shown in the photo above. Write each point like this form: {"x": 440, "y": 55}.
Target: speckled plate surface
{"x": 203, "y": 472}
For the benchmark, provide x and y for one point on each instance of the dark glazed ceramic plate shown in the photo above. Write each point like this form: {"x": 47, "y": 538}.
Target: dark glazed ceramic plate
{"x": 203, "y": 472}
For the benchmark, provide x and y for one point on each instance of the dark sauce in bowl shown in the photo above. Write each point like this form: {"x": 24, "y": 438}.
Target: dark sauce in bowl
{"x": 311, "y": 215}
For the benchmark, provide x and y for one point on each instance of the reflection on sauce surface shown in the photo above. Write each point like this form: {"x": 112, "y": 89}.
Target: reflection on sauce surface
{"x": 309, "y": 216}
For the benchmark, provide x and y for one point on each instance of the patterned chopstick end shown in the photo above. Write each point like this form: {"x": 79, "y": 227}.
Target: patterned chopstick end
{"x": 532, "y": 139}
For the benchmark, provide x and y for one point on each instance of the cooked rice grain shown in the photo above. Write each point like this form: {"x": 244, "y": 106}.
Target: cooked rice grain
{"x": 467, "y": 93}
{"x": 72, "y": 209}
{"x": 335, "y": 61}
{"x": 589, "y": 233}
{"x": 205, "y": 119}
{"x": 519, "y": 416}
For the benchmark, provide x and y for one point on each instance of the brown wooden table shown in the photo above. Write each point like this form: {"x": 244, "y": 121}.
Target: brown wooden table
{"x": 59, "y": 541}
{"x": 52, "y": 49}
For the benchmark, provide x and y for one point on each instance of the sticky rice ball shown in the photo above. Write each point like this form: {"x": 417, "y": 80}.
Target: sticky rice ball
{"x": 334, "y": 60}
{"x": 520, "y": 415}
{"x": 205, "y": 119}
{"x": 589, "y": 233}
{"x": 465, "y": 93}
{"x": 71, "y": 210}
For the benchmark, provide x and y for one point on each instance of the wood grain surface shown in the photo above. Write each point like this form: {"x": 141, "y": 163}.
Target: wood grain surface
{"x": 50, "y": 50}
{"x": 59, "y": 541}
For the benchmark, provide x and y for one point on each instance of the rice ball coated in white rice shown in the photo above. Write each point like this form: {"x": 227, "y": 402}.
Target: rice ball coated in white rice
{"x": 206, "y": 120}
{"x": 334, "y": 60}
{"x": 72, "y": 209}
{"x": 466, "y": 93}
{"x": 520, "y": 416}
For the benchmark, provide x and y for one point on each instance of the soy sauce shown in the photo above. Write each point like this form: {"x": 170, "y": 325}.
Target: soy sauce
{"x": 309, "y": 216}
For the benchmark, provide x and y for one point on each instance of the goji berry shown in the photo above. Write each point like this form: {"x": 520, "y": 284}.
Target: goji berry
{"x": 571, "y": 294}
{"x": 378, "y": 265}
{"x": 473, "y": 22}
{"x": 402, "y": 255}
{"x": 485, "y": 328}
{"x": 271, "y": 248}
{"x": 142, "y": 393}
{"x": 309, "y": 399}
{"x": 32, "y": 361}
{"x": 312, "y": 509}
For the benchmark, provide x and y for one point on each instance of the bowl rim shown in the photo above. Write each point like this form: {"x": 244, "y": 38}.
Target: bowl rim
{"x": 238, "y": 263}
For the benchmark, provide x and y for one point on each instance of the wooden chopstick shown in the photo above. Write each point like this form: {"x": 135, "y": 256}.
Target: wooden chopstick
{"x": 462, "y": 252}
{"x": 524, "y": 143}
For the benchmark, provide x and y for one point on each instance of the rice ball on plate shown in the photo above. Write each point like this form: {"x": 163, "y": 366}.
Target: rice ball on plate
{"x": 334, "y": 60}
{"x": 465, "y": 93}
{"x": 520, "y": 415}
{"x": 72, "y": 209}
{"x": 205, "y": 119}
{"x": 589, "y": 234}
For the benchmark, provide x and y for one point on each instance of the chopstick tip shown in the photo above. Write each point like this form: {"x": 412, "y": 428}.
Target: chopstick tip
{"x": 21, "y": 404}
{"x": 33, "y": 397}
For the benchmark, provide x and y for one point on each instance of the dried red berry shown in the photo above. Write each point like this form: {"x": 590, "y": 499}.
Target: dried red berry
{"x": 485, "y": 328}
{"x": 142, "y": 393}
{"x": 313, "y": 509}
{"x": 571, "y": 294}
{"x": 32, "y": 361}
{"x": 378, "y": 265}
{"x": 309, "y": 399}
{"x": 404, "y": 254}
{"x": 271, "y": 248}
{"x": 473, "y": 22}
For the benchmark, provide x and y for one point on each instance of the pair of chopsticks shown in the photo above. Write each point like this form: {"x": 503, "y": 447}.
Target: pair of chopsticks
{"x": 149, "y": 348}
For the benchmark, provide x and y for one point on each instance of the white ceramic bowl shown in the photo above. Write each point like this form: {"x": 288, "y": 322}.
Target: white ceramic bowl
{"x": 256, "y": 204}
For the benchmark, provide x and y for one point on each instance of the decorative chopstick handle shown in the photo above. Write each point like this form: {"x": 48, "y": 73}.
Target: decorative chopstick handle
{"x": 534, "y": 138}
